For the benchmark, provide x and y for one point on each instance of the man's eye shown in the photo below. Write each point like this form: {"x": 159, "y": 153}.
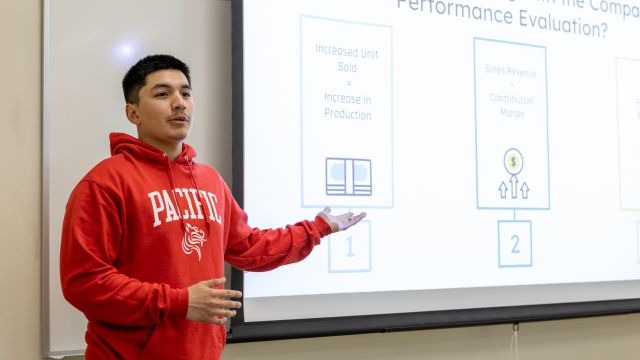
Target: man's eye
{"x": 186, "y": 94}
{"x": 162, "y": 94}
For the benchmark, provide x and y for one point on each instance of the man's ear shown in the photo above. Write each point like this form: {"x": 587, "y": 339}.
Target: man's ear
{"x": 132, "y": 113}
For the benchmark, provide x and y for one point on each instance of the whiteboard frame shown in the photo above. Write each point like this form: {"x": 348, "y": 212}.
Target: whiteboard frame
{"x": 45, "y": 179}
{"x": 46, "y": 191}
{"x": 46, "y": 144}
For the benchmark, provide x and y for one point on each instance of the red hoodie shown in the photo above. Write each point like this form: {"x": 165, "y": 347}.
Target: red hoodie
{"x": 138, "y": 230}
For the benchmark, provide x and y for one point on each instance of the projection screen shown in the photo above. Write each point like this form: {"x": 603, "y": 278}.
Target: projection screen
{"x": 493, "y": 145}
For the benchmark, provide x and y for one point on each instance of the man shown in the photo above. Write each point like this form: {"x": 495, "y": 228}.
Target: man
{"x": 146, "y": 233}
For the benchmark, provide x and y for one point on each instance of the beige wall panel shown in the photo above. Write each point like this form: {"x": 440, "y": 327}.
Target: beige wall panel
{"x": 20, "y": 33}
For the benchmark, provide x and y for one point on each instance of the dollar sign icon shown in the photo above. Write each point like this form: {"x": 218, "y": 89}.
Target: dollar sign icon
{"x": 513, "y": 161}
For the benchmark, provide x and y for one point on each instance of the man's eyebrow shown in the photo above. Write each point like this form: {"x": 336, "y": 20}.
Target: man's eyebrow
{"x": 165, "y": 85}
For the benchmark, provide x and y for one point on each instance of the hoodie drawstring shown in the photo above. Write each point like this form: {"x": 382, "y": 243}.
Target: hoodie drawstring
{"x": 175, "y": 199}
{"x": 202, "y": 199}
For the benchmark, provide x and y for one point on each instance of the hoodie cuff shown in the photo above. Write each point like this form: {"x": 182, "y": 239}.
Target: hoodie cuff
{"x": 178, "y": 303}
{"x": 322, "y": 225}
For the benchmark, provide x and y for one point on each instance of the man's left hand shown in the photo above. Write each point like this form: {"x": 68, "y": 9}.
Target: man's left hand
{"x": 342, "y": 221}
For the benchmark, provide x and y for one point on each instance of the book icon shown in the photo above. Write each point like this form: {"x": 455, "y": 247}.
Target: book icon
{"x": 348, "y": 177}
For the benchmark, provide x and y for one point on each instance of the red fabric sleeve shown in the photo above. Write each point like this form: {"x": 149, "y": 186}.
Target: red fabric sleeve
{"x": 91, "y": 236}
{"x": 253, "y": 249}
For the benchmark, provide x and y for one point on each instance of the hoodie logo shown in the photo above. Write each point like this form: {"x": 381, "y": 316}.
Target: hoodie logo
{"x": 193, "y": 240}
{"x": 199, "y": 204}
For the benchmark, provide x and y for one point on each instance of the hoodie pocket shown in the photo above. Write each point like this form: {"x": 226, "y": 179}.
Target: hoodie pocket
{"x": 187, "y": 340}
{"x": 150, "y": 349}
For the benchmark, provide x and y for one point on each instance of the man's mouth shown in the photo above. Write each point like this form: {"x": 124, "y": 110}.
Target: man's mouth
{"x": 179, "y": 118}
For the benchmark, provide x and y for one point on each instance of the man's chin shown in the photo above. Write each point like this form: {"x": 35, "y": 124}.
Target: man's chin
{"x": 180, "y": 135}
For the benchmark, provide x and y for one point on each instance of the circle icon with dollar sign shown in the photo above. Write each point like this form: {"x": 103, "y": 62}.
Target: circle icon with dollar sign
{"x": 513, "y": 161}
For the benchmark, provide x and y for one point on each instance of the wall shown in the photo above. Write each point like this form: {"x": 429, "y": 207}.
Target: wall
{"x": 20, "y": 41}
{"x": 612, "y": 337}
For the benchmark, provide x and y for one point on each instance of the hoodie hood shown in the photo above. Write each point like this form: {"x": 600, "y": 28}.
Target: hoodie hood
{"x": 125, "y": 143}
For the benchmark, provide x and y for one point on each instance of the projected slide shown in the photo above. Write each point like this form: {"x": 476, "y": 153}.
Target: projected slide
{"x": 511, "y": 120}
{"x": 494, "y": 145}
{"x": 347, "y": 125}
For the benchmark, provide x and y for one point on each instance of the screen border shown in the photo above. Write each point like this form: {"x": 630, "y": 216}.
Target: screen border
{"x": 241, "y": 331}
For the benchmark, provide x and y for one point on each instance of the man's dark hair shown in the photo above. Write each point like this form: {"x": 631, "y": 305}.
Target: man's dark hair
{"x": 136, "y": 77}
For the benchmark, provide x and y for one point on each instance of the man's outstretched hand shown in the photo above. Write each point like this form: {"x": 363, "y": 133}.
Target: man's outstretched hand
{"x": 342, "y": 221}
{"x": 212, "y": 305}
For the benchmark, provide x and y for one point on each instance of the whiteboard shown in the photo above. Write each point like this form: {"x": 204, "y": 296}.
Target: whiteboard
{"x": 88, "y": 47}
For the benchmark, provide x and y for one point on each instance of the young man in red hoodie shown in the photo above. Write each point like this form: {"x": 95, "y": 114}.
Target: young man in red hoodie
{"x": 147, "y": 231}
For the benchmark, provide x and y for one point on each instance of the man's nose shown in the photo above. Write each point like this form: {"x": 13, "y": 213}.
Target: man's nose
{"x": 179, "y": 102}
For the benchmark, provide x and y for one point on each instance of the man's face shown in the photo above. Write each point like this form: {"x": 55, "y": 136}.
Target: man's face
{"x": 163, "y": 112}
